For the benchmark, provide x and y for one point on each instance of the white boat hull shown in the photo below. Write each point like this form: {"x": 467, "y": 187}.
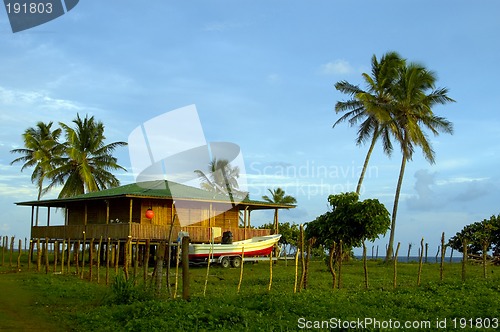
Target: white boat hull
{"x": 257, "y": 246}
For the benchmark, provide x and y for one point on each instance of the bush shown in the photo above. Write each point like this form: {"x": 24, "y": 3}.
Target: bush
{"x": 125, "y": 292}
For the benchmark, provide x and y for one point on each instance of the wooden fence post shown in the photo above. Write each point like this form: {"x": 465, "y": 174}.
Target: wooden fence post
{"x": 19, "y": 255}
{"x": 395, "y": 281}
{"x": 420, "y": 261}
{"x": 270, "y": 271}
{"x": 341, "y": 258}
{"x": 365, "y": 267}
{"x": 464, "y": 259}
{"x": 185, "y": 268}
{"x": 11, "y": 250}
{"x": 302, "y": 258}
{"x": 443, "y": 253}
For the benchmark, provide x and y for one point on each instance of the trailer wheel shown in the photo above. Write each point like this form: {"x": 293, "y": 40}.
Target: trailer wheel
{"x": 236, "y": 262}
{"x": 225, "y": 262}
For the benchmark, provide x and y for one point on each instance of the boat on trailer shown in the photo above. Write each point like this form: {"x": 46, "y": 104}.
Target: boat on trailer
{"x": 232, "y": 253}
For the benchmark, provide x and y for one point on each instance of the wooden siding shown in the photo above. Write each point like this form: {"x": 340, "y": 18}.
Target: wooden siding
{"x": 137, "y": 232}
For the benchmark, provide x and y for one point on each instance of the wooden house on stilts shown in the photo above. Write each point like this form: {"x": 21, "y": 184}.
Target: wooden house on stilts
{"x": 147, "y": 213}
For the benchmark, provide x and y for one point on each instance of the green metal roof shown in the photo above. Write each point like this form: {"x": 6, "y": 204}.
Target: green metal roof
{"x": 160, "y": 189}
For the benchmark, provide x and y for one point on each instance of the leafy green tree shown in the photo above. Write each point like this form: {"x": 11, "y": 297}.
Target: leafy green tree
{"x": 278, "y": 196}
{"x": 290, "y": 233}
{"x": 485, "y": 233}
{"x": 41, "y": 146}
{"x": 86, "y": 161}
{"x": 370, "y": 106}
{"x": 350, "y": 220}
{"x": 413, "y": 96}
{"x": 222, "y": 178}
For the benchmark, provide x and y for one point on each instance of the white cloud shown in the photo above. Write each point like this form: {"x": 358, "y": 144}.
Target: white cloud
{"x": 37, "y": 98}
{"x": 460, "y": 179}
{"x": 337, "y": 67}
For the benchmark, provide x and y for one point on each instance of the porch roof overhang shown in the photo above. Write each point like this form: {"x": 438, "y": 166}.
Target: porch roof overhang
{"x": 156, "y": 190}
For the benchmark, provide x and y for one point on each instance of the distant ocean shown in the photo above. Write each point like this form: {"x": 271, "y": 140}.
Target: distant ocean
{"x": 415, "y": 259}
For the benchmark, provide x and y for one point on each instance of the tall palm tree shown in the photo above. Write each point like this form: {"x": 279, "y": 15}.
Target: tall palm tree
{"x": 222, "y": 179}
{"x": 414, "y": 95}
{"x": 87, "y": 161}
{"x": 41, "y": 146}
{"x": 278, "y": 196}
{"x": 370, "y": 105}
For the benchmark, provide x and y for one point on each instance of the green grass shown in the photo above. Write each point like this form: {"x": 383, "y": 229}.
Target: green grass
{"x": 80, "y": 305}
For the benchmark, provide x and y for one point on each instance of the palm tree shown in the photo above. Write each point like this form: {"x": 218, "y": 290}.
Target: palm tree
{"x": 370, "y": 106}
{"x": 41, "y": 146}
{"x": 411, "y": 111}
{"x": 87, "y": 161}
{"x": 222, "y": 179}
{"x": 278, "y": 196}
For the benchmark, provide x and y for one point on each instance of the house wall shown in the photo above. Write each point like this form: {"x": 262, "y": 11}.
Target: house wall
{"x": 189, "y": 213}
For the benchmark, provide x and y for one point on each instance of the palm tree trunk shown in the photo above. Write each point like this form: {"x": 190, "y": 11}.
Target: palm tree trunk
{"x": 38, "y": 198}
{"x": 395, "y": 209}
{"x": 365, "y": 165}
{"x": 276, "y": 226}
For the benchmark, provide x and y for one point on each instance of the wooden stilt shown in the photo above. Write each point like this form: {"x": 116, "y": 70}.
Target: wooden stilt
{"x": 46, "y": 252}
{"x": 99, "y": 248}
{"x": 30, "y": 254}
{"x": 145, "y": 263}
{"x": 56, "y": 253}
{"x": 83, "y": 255}
{"x": 117, "y": 256}
{"x": 91, "y": 259}
{"x": 62, "y": 255}
{"x": 136, "y": 261}
{"x": 108, "y": 251}
{"x": 69, "y": 256}
{"x": 77, "y": 256}
{"x": 38, "y": 256}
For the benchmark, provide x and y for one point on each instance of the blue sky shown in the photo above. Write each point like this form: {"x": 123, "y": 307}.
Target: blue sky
{"x": 262, "y": 75}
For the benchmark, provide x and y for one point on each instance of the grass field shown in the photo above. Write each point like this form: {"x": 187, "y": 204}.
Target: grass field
{"x": 66, "y": 303}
